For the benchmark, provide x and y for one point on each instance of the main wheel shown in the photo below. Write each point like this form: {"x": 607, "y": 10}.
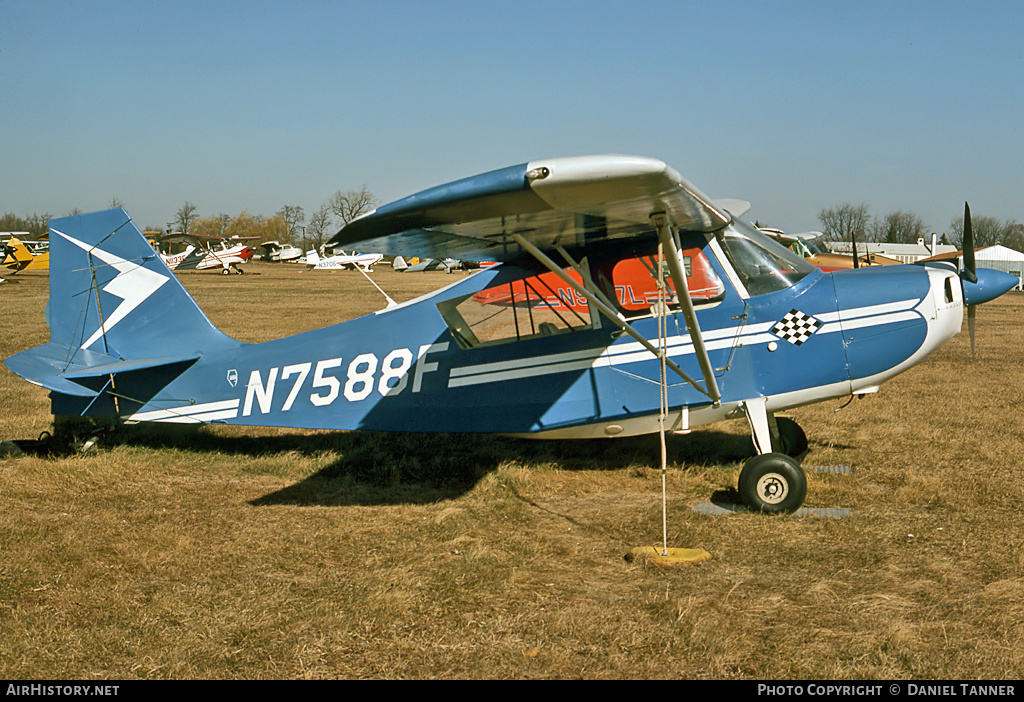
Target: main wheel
{"x": 772, "y": 483}
{"x": 794, "y": 440}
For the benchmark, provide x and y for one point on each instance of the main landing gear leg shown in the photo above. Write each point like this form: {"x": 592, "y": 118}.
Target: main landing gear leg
{"x": 773, "y": 482}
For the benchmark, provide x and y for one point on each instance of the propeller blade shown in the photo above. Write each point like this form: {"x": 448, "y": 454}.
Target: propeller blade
{"x": 853, "y": 241}
{"x": 970, "y": 271}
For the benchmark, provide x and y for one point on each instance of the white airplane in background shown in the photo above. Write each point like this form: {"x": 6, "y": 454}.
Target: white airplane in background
{"x": 276, "y": 251}
{"x": 202, "y": 254}
{"x": 340, "y": 261}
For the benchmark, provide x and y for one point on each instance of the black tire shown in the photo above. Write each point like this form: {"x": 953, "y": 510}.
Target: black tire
{"x": 794, "y": 440}
{"x": 772, "y": 483}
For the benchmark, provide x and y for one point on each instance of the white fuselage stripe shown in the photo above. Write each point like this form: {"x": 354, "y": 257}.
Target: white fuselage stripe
{"x": 209, "y": 411}
{"x": 678, "y": 345}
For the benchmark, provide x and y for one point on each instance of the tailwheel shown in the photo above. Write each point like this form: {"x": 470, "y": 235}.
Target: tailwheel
{"x": 772, "y": 483}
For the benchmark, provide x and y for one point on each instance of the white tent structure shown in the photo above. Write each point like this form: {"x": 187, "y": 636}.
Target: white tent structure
{"x": 1003, "y": 258}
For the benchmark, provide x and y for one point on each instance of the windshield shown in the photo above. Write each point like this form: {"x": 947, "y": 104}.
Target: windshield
{"x": 763, "y": 264}
{"x": 815, "y": 246}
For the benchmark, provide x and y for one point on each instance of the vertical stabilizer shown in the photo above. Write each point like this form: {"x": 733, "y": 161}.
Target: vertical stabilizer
{"x": 110, "y": 293}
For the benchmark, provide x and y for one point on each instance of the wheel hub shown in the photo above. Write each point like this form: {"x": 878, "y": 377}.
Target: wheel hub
{"x": 772, "y": 488}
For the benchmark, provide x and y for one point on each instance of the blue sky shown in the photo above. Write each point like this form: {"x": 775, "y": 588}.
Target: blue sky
{"x": 793, "y": 106}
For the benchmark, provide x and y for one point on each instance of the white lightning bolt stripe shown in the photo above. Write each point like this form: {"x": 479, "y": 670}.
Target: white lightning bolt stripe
{"x": 133, "y": 284}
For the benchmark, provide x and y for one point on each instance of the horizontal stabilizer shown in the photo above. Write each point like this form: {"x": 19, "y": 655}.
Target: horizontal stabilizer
{"x": 128, "y": 366}
{"x": 87, "y": 375}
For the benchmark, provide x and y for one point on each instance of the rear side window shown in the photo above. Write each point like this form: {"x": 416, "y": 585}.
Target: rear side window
{"x": 525, "y": 306}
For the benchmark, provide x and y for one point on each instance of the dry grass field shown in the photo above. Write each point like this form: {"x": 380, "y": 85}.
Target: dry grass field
{"x": 230, "y": 553}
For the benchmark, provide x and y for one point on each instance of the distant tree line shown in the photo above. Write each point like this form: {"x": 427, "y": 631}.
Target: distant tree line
{"x": 37, "y": 225}
{"x": 846, "y": 221}
{"x": 288, "y": 225}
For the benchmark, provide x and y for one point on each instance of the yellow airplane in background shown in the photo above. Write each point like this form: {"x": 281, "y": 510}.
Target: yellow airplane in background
{"x": 17, "y": 256}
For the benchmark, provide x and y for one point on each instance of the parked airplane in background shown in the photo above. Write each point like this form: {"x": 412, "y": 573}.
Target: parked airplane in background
{"x": 429, "y": 264}
{"x": 208, "y": 252}
{"x": 341, "y": 261}
{"x": 24, "y": 255}
{"x": 276, "y": 251}
{"x": 747, "y": 329}
{"x": 811, "y": 245}
{"x": 633, "y": 280}
{"x": 435, "y": 264}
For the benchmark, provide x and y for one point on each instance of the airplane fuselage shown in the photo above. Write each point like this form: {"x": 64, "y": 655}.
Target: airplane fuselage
{"x": 409, "y": 369}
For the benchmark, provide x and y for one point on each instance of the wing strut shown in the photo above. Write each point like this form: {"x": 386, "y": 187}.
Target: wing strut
{"x": 668, "y": 241}
{"x": 588, "y": 282}
{"x": 610, "y": 313}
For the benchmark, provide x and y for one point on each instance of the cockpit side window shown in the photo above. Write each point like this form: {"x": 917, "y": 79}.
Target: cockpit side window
{"x": 524, "y": 303}
{"x": 635, "y": 281}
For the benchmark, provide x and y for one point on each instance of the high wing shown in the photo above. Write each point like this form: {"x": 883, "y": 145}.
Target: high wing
{"x": 564, "y": 202}
{"x": 201, "y": 241}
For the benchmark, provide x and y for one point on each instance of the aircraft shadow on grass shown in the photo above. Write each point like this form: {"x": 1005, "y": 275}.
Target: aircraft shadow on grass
{"x": 376, "y": 468}
{"x": 387, "y": 468}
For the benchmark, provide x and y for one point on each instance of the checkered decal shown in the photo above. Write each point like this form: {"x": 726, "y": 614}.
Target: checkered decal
{"x": 796, "y": 327}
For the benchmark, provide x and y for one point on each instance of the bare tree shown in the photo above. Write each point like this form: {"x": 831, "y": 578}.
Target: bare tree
{"x": 898, "y": 228}
{"x": 186, "y": 216}
{"x": 38, "y": 226}
{"x": 319, "y": 223}
{"x": 845, "y": 221}
{"x": 1014, "y": 237}
{"x": 348, "y": 205}
{"x": 293, "y": 219}
{"x": 987, "y": 231}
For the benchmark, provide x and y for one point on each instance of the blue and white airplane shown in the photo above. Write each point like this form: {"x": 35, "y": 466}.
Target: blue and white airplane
{"x": 563, "y": 339}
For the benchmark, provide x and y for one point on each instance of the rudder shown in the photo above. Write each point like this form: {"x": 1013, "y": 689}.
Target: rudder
{"x": 111, "y": 293}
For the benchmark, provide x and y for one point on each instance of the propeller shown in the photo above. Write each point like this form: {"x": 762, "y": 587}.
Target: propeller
{"x": 979, "y": 284}
{"x": 970, "y": 271}
{"x": 853, "y": 242}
